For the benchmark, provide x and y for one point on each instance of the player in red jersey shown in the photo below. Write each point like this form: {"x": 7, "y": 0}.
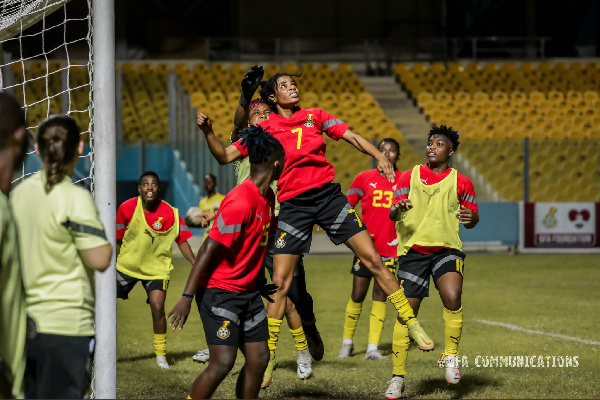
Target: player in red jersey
{"x": 375, "y": 193}
{"x": 430, "y": 203}
{"x": 308, "y": 196}
{"x": 226, "y": 275}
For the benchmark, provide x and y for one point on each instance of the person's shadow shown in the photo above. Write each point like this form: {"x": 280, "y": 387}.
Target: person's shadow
{"x": 467, "y": 385}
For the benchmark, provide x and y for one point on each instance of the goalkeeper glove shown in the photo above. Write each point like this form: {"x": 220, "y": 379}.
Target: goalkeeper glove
{"x": 250, "y": 83}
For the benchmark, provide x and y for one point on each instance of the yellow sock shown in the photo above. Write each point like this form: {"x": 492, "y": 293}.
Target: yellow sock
{"x": 376, "y": 322}
{"x": 453, "y": 322}
{"x": 160, "y": 344}
{"x": 299, "y": 339}
{"x": 400, "y": 302}
{"x": 400, "y": 343}
{"x": 274, "y": 329}
{"x": 353, "y": 311}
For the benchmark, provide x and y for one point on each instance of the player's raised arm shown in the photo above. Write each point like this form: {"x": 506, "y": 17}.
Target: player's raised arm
{"x": 222, "y": 155}
{"x": 361, "y": 144}
{"x": 249, "y": 84}
{"x": 181, "y": 309}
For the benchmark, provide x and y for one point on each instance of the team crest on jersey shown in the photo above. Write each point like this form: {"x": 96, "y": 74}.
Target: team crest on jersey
{"x": 281, "y": 241}
{"x": 309, "y": 122}
{"x": 158, "y": 224}
{"x": 223, "y": 331}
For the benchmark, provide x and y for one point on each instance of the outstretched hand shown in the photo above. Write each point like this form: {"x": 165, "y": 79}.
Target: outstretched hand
{"x": 267, "y": 290}
{"x": 386, "y": 168}
{"x": 204, "y": 122}
{"x": 251, "y": 81}
{"x": 180, "y": 312}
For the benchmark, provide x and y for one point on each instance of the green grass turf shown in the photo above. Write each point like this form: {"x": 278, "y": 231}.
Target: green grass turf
{"x": 556, "y": 294}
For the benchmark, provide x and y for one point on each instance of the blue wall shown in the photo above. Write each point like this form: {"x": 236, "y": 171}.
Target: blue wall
{"x": 497, "y": 222}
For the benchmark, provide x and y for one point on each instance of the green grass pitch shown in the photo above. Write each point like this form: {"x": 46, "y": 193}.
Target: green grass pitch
{"x": 553, "y": 294}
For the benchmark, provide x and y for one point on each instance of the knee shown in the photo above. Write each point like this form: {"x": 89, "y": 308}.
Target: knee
{"x": 358, "y": 296}
{"x": 373, "y": 262}
{"x": 220, "y": 366}
{"x": 452, "y": 300}
{"x": 259, "y": 361}
{"x": 282, "y": 283}
{"x": 157, "y": 308}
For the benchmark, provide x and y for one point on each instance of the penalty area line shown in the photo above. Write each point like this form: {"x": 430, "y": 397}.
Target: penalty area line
{"x": 521, "y": 329}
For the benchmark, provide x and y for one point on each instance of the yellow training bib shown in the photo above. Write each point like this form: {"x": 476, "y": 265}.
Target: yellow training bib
{"x": 146, "y": 253}
{"x": 432, "y": 221}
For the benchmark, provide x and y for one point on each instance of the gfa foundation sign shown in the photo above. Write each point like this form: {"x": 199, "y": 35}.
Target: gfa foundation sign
{"x": 560, "y": 226}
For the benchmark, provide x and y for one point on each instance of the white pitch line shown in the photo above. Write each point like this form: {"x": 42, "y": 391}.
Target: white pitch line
{"x": 518, "y": 328}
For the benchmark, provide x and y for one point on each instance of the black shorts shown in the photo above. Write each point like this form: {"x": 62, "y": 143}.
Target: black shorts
{"x": 359, "y": 269}
{"x": 268, "y": 263}
{"x": 58, "y": 367}
{"x": 231, "y": 318}
{"x": 414, "y": 269}
{"x": 125, "y": 283}
{"x": 325, "y": 206}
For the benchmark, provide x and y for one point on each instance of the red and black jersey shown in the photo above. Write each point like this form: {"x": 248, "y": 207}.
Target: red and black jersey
{"x": 301, "y": 136}
{"x": 376, "y": 194}
{"x": 160, "y": 219}
{"x": 242, "y": 226}
{"x": 465, "y": 192}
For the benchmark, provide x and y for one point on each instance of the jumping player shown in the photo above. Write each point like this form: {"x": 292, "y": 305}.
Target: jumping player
{"x": 375, "y": 193}
{"x": 308, "y": 197}
{"x": 226, "y": 276}
{"x": 298, "y": 294}
{"x": 210, "y": 204}
{"x": 65, "y": 243}
{"x": 13, "y": 147}
{"x": 146, "y": 230}
{"x": 430, "y": 203}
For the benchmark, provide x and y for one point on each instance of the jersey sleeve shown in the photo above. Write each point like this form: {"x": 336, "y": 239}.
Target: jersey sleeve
{"x": 402, "y": 187}
{"x": 84, "y": 222}
{"x": 332, "y": 126}
{"x": 124, "y": 215}
{"x": 184, "y": 232}
{"x": 466, "y": 193}
{"x": 242, "y": 148}
{"x": 229, "y": 221}
{"x": 356, "y": 191}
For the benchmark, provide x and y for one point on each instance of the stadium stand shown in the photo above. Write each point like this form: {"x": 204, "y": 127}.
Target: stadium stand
{"x": 556, "y": 106}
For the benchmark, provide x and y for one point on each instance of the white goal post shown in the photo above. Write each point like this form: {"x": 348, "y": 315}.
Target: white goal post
{"x": 75, "y": 75}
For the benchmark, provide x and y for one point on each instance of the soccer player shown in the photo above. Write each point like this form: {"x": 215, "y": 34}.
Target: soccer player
{"x": 226, "y": 276}
{"x": 13, "y": 146}
{"x": 146, "y": 230}
{"x": 430, "y": 203}
{"x": 298, "y": 294}
{"x": 210, "y": 204}
{"x": 63, "y": 243}
{"x": 375, "y": 192}
{"x": 307, "y": 197}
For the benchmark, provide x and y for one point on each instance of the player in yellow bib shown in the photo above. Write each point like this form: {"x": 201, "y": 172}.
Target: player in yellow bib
{"x": 430, "y": 202}
{"x": 63, "y": 244}
{"x": 146, "y": 230}
{"x": 13, "y": 146}
{"x": 210, "y": 204}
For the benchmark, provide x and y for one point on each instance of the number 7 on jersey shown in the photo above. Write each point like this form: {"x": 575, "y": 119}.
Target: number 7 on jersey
{"x": 299, "y": 130}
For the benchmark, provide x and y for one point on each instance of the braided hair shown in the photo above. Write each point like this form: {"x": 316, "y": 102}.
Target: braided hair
{"x": 443, "y": 130}
{"x": 268, "y": 88}
{"x": 57, "y": 141}
{"x": 261, "y": 145}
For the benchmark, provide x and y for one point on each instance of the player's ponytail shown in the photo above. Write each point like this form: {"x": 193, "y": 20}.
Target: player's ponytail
{"x": 57, "y": 141}
{"x": 261, "y": 145}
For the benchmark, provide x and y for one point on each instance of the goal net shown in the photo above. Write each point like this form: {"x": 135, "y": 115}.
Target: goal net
{"x": 46, "y": 63}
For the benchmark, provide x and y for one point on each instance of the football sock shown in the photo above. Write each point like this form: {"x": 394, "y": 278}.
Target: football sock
{"x": 299, "y": 339}
{"x": 453, "y": 322}
{"x": 353, "y": 311}
{"x": 160, "y": 344}
{"x": 400, "y": 302}
{"x": 376, "y": 321}
{"x": 274, "y": 329}
{"x": 400, "y": 344}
